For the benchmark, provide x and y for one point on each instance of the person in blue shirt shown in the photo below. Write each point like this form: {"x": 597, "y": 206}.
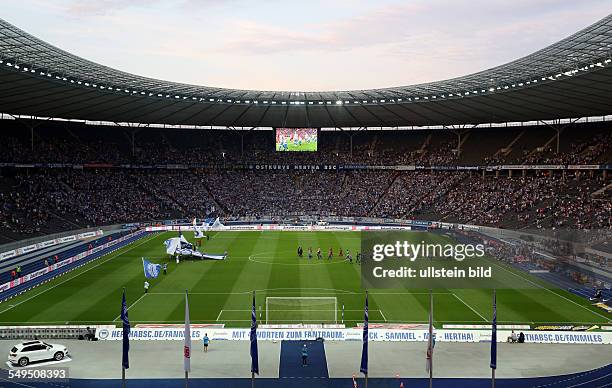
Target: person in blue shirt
{"x": 205, "y": 341}
{"x": 304, "y": 355}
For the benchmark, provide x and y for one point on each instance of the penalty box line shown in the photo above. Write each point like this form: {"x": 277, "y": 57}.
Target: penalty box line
{"x": 290, "y": 311}
{"x": 470, "y": 307}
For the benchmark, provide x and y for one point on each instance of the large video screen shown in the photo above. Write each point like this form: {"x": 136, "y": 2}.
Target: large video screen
{"x": 296, "y": 139}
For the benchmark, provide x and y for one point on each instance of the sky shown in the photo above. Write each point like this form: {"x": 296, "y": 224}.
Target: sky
{"x": 302, "y": 45}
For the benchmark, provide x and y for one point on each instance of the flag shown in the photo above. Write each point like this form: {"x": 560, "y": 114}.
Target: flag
{"x": 187, "y": 347}
{"x": 364, "y": 349}
{"x": 494, "y": 334}
{"x": 151, "y": 270}
{"x": 125, "y": 361}
{"x": 430, "y": 340}
{"x": 253, "y": 338}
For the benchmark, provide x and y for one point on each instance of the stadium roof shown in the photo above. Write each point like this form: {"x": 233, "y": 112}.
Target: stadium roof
{"x": 571, "y": 78}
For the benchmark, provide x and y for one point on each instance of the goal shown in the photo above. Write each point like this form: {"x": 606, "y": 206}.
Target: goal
{"x": 301, "y": 309}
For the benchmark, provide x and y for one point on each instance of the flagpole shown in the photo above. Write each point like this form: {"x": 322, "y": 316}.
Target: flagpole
{"x": 430, "y": 338}
{"x": 494, "y": 339}
{"x": 364, "y": 351}
{"x": 123, "y": 359}
{"x": 187, "y": 345}
{"x": 253, "y": 373}
{"x": 253, "y": 340}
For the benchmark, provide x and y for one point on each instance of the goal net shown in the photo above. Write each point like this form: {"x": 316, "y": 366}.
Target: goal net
{"x": 302, "y": 309}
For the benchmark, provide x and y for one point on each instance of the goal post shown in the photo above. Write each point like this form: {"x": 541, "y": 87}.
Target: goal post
{"x": 301, "y": 309}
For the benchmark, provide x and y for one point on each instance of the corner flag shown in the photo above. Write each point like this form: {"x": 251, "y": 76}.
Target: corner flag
{"x": 187, "y": 348}
{"x": 253, "y": 338}
{"x": 151, "y": 270}
{"x": 364, "y": 349}
{"x": 125, "y": 361}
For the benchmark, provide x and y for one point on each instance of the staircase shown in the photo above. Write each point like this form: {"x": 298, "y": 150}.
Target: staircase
{"x": 391, "y": 182}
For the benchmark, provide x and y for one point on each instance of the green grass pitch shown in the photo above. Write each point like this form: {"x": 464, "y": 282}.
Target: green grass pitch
{"x": 304, "y": 146}
{"x": 220, "y": 291}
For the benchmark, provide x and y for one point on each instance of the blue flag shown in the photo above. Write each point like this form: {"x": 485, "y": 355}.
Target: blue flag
{"x": 125, "y": 361}
{"x": 151, "y": 270}
{"x": 494, "y": 334}
{"x": 364, "y": 350}
{"x": 253, "y": 338}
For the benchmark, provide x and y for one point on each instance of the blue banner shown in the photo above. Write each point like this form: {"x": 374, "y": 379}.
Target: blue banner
{"x": 125, "y": 361}
{"x": 364, "y": 349}
{"x": 151, "y": 270}
{"x": 253, "y": 338}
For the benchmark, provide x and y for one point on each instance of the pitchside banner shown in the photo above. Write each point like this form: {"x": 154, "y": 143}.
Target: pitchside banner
{"x": 53, "y": 267}
{"x": 421, "y": 260}
{"x": 49, "y": 243}
{"x": 110, "y": 333}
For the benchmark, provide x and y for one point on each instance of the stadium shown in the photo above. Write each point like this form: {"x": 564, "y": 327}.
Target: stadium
{"x": 449, "y": 233}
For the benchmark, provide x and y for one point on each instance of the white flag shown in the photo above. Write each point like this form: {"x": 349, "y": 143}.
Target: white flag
{"x": 187, "y": 348}
{"x": 430, "y": 341}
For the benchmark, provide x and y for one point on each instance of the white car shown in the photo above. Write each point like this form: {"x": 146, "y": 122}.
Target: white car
{"x": 26, "y": 352}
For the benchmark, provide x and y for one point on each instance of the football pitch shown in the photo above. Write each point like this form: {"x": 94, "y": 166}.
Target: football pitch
{"x": 304, "y": 146}
{"x": 267, "y": 262}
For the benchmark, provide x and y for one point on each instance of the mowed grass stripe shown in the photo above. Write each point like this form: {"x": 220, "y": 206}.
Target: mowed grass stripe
{"x": 251, "y": 276}
{"x": 102, "y": 288}
{"x": 41, "y": 298}
{"x": 93, "y": 293}
{"x": 126, "y": 272}
{"x": 284, "y": 280}
{"x": 314, "y": 274}
{"x": 189, "y": 276}
{"x": 348, "y": 276}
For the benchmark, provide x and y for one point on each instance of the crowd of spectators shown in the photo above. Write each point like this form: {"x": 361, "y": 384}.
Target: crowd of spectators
{"x": 156, "y": 146}
{"x": 39, "y": 200}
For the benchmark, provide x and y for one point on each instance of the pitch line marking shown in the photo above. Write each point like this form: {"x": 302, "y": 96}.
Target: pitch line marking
{"x": 383, "y": 315}
{"x": 219, "y": 316}
{"x": 300, "y": 290}
{"x": 130, "y": 306}
{"x": 292, "y": 311}
{"x": 470, "y": 307}
{"x": 204, "y": 321}
{"x": 549, "y": 290}
{"x": 79, "y": 274}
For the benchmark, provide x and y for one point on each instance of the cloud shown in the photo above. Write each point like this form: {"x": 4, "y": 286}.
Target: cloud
{"x": 319, "y": 45}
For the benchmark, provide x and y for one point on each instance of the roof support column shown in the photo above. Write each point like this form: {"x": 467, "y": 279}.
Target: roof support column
{"x": 31, "y": 124}
{"x": 559, "y": 129}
